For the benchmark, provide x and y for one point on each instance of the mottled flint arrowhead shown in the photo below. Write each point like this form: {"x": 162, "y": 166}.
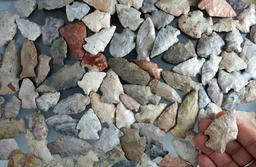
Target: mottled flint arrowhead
{"x": 234, "y": 40}
{"x": 36, "y": 123}
{"x": 214, "y": 92}
{"x": 7, "y": 146}
{"x": 89, "y": 125}
{"x": 165, "y": 38}
{"x": 174, "y": 7}
{"x": 236, "y": 65}
{"x": 186, "y": 115}
{"x": 150, "y": 67}
{"x": 28, "y": 29}
{"x": 107, "y": 6}
{"x": 42, "y": 69}
{"x": 129, "y": 72}
{"x": 167, "y": 119}
{"x": 145, "y": 39}
{"x": 76, "y": 11}
{"x": 128, "y": 17}
{"x": 203, "y": 100}
{"x": 47, "y": 100}
{"x": 91, "y": 81}
{"x": 249, "y": 57}
{"x": 135, "y": 3}
{"x": 148, "y": 6}
{"x": 8, "y": 27}
{"x": 94, "y": 62}
{"x": 59, "y": 51}
{"x": 97, "y": 20}
{"x": 160, "y": 18}
{"x": 129, "y": 102}
{"x": 124, "y": 117}
{"x": 225, "y": 25}
{"x": 50, "y": 5}
{"x": 73, "y": 104}
{"x": 98, "y": 42}
{"x": 12, "y": 107}
{"x": 10, "y": 128}
{"x": 222, "y": 131}
{"x": 247, "y": 18}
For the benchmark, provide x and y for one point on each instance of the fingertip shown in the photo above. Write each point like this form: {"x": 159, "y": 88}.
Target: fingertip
{"x": 204, "y": 124}
{"x": 200, "y": 140}
{"x": 205, "y": 161}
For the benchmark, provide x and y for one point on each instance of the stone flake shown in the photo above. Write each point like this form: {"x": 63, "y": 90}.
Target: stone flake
{"x": 236, "y": 65}
{"x": 225, "y": 25}
{"x": 124, "y": 117}
{"x": 28, "y": 29}
{"x": 203, "y": 100}
{"x": 148, "y": 6}
{"x": 160, "y": 18}
{"x": 7, "y": 146}
{"x": 210, "y": 112}
{"x": 36, "y": 123}
{"x": 19, "y": 159}
{"x": 25, "y": 7}
{"x": 107, "y": 6}
{"x": 174, "y": 7}
{"x": 170, "y": 161}
{"x": 214, "y": 92}
{"x": 247, "y": 18}
{"x": 150, "y": 67}
{"x": 76, "y": 11}
{"x": 90, "y": 159}
{"x": 135, "y": 3}
{"x": 250, "y": 92}
{"x": 59, "y": 51}
{"x": 47, "y": 101}
{"x": 248, "y": 55}
{"x": 12, "y": 107}
{"x": 50, "y": 5}
{"x": 94, "y": 62}
{"x": 10, "y": 128}
{"x": 234, "y": 40}
{"x": 129, "y": 102}
{"x": 167, "y": 119}
{"x": 42, "y": 69}
{"x": 253, "y": 33}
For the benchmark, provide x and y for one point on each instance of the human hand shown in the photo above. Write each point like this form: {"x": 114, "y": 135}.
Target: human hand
{"x": 238, "y": 153}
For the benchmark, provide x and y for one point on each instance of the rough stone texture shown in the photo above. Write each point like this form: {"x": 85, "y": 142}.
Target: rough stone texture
{"x": 64, "y": 78}
{"x": 10, "y": 128}
{"x": 217, "y": 8}
{"x": 209, "y": 112}
{"x": 165, "y": 38}
{"x": 249, "y": 57}
{"x": 167, "y": 119}
{"x": 28, "y": 94}
{"x": 164, "y": 90}
{"x": 37, "y": 124}
{"x": 141, "y": 94}
{"x": 29, "y": 59}
{"x": 9, "y": 69}
{"x": 170, "y": 161}
{"x": 59, "y": 51}
{"x": 111, "y": 88}
{"x": 89, "y": 125}
{"x": 42, "y": 69}
{"x": 109, "y": 139}
{"x": 150, "y": 67}
{"x": 146, "y": 162}
{"x": 149, "y": 113}
{"x": 97, "y": 42}
{"x": 129, "y": 102}
{"x": 237, "y": 5}
{"x": 73, "y": 104}
{"x": 234, "y": 40}
{"x": 107, "y": 6}
{"x": 69, "y": 146}
{"x": 65, "y": 162}
{"x": 214, "y": 92}
{"x": 91, "y": 81}
{"x": 195, "y": 24}
{"x": 47, "y": 101}
{"x": 250, "y": 92}
{"x": 76, "y": 11}
{"x": 19, "y": 159}
{"x": 187, "y": 113}
{"x": 8, "y": 27}
{"x": 97, "y": 20}
{"x": 128, "y": 17}
{"x": 135, "y": 3}
{"x": 177, "y": 53}
{"x": 222, "y": 131}
{"x": 247, "y": 18}
{"x": 210, "y": 45}
{"x": 148, "y": 6}
{"x": 90, "y": 159}
{"x": 145, "y": 39}
{"x": 129, "y": 72}
{"x": 253, "y": 33}
{"x": 132, "y": 144}
{"x": 155, "y": 152}
{"x": 174, "y": 7}
{"x": 225, "y": 25}
{"x": 12, "y": 107}
{"x": 228, "y": 81}
{"x": 179, "y": 81}
{"x": 124, "y": 163}
{"x": 94, "y": 62}
{"x": 74, "y": 35}
{"x": 236, "y": 65}
{"x": 122, "y": 43}
{"x": 232, "y": 99}
{"x": 25, "y": 7}
{"x": 210, "y": 68}
{"x": 105, "y": 111}
{"x": 50, "y": 29}
{"x": 191, "y": 67}
{"x": 124, "y": 117}
{"x": 7, "y": 146}
{"x": 203, "y": 99}
{"x": 160, "y": 18}
{"x": 28, "y": 29}
{"x": 50, "y": 5}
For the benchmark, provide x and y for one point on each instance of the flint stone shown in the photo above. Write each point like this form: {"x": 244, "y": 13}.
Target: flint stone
{"x": 209, "y": 112}
{"x": 195, "y": 24}
{"x": 43, "y": 68}
{"x": 248, "y": 117}
{"x": 237, "y": 5}
{"x": 9, "y": 70}
{"x": 150, "y": 67}
{"x": 132, "y": 144}
{"x": 19, "y": 159}
{"x": 50, "y": 5}
{"x": 36, "y": 123}
{"x": 28, "y": 94}
{"x": 142, "y": 94}
{"x": 191, "y": 67}
{"x": 7, "y": 146}
{"x": 145, "y": 39}
{"x": 232, "y": 99}
{"x": 148, "y": 6}
{"x": 210, "y": 68}
{"x": 129, "y": 102}
{"x": 25, "y": 7}
{"x": 169, "y": 161}
{"x": 12, "y": 107}
{"x": 65, "y": 162}
{"x": 187, "y": 113}
{"x": 97, "y": 20}
{"x": 155, "y": 152}
{"x": 63, "y": 79}
{"x": 90, "y": 159}
{"x": 164, "y": 90}
{"x": 167, "y": 119}
{"x": 124, "y": 117}
{"x": 146, "y": 162}
{"x": 76, "y": 11}
{"x": 94, "y": 62}
{"x": 122, "y": 43}
{"x": 73, "y": 104}
{"x": 104, "y": 111}
{"x": 129, "y": 72}
{"x": 174, "y": 7}
{"x": 124, "y": 163}
{"x": 160, "y": 18}
{"x": 250, "y": 92}
{"x": 253, "y": 33}
{"x": 247, "y": 18}
{"x": 135, "y": 3}
{"x": 214, "y": 92}
{"x": 107, "y": 6}
{"x": 69, "y": 146}
{"x": 47, "y": 101}
{"x": 28, "y": 29}
{"x": 225, "y": 25}
{"x": 203, "y": 100}
{"x": 59, "y": 51}
{"x": 98, "y": 42}
{"x": 165, "y": 38}
{"x": 10, "y": 128}
{"x": 149, "y": 113}
{"x": 8, "y": 27}
{"x": 50, "y": 29}
{"x": 74, "y": 35}
{"x": 249, "y": 57}
{"x": 89, "y": 125}
{"x": 234, "y": 40}
{"x": 236, "y": 65}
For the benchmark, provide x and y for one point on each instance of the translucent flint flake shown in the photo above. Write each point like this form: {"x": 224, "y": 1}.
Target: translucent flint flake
{"x": 94, "y": 62}
{"x": 7, "y": 146}
{"x": 42, "y": 68}
{"x": 214, "y": 92}
{"x": 36, "y": 122}
{"x": 124, "y": 117}
{"x": 59, "y": 51}
{"x": 12, "y": 107}
{"x": 77, "y": 10}
{"x": 47, "y": 100}
{"x": 167, "y": 119}
{"x": 107, "y": 6}
{"x": 150, "y": 67}
{"x": 234, "y": 40}
{"x": 29, "y": 30}
{"x": 50, "y": 5}
{"x": 160, "y": 18}
{"x": 174, "y": 7}
{"x": 129, "y": 102}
